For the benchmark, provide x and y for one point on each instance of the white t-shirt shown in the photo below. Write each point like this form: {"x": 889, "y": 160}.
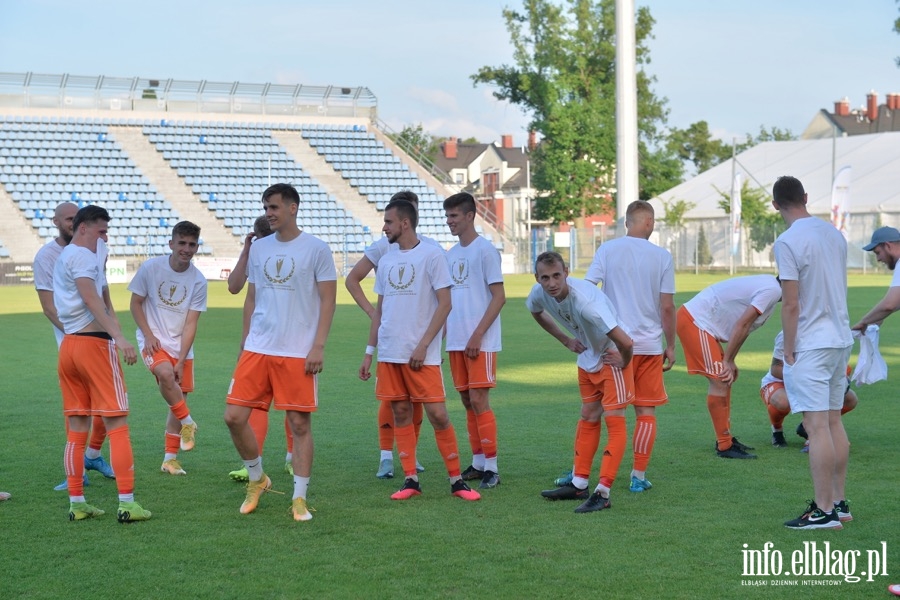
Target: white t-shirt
{"x": 285, "y": 276}
{"x": 586, "y": 313}
{"x": 44, "y": 260}
{"x": 473, "y": 269}
{"x": 814, "y": 253}
{"x": 75, "y": 262}
{"x": 382, "y": 246}
{"x": 777, "y": 354}
{"x": 717, "y": 308}
{"x": 408, "y": 280}
{"x": 634, "y": 272}
{"x": 169, "y": 296}
{"x": 895, "y": 280}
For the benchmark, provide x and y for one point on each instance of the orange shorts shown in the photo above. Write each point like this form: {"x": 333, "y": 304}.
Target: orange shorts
{"x": 397, "y": 381}
{"x": 702, "y": 352}
{"x": 612, "y": 387}
{"x": 767, "y": 391}
{"x": 259, "y": 377}
{"x": 649, "y": 389}
{"x": 476, "y": 373}
{"x": 161, "y": 356}
{"x": 90, "y": 377}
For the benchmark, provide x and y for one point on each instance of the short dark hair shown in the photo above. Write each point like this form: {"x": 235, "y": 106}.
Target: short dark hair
{"x": 408, "y": 195}
{"x": 639, "y": 206}
{"x": 463, "y": 200}
{"x": 285, "y": 190}
{"x": 186, "y": 229}
{"x": 405, "y": 210}
{"x": 90, "y": 214}
{"x": 261, "y": 227}
{"x": 788, "y": 191}
{"x": 549, "y": 258}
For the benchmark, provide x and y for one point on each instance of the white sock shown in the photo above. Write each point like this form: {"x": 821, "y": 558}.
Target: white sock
{"x": 639, "y": 474}
{"x": 91, "y": 454}
{"x": 76, "y": 499}
{"x": 478, "y": 461}
{"x": 126, "y": 497}
{"x": 301, "y": 485}
{"x": 254, "y": 468}
{"x": 187, "y": 420}
{"x": 604, "y": 491}
{"x": 169, "y": 456}
{"x": 387, "y": 455}
{"x": 580, "y": 482}
{"x": 490, "y": 464}
{"x": 288, "y": 457}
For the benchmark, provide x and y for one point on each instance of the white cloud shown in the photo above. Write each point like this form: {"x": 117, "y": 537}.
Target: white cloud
{"x": 435, "y": 98}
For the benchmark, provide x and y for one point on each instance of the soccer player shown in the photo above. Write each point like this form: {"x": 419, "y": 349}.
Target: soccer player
{"x": 886, "y": 246}
{"x": 360, "y": 271}
{"x": 90, "y": 374}
{"x": 292, "y": 285}
{"x": 259, "y": 419}
{"x": 413, "y": 287}
{"x": 727, "y": 311}
{"x": 638, "y": 277}
{"x": 812, "y": 263}
{"x": 44, "y": 260}
{"x": 775, "y": 397}
{"x": 605, "y": 376}
{"x": 168, "y": 294}
{"x": 473, "y": 333}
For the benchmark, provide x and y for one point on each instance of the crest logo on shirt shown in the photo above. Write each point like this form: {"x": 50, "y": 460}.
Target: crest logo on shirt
{"x": 567, "y": 317}
{"x": 397, "y": 283}
{"x": 459, "y": 270}
{"x": 279, "y": 268}
{"x": 171, "y": 293}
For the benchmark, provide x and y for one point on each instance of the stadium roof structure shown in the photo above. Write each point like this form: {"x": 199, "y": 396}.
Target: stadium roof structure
{"x": 874, "y": 186}
{"x": 37, "y": 90}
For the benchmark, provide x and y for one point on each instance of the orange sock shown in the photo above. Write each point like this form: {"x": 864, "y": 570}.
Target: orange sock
{"x": 173, "y": 443}
{"x": 617, "y": 434}
{"x": 472, "y": 430}
{"x": 587, "y": 439}
{"x": 122, "y": 459}
{"x": 845, "y": 409}
{"x": 259, "y": 423}
{"x": 73, "y": 461}
{"x": 406, "y": 448}
{"x": 180, "y": 410}
{"x": 385, "y": 427}
{"x": 719, "y": 413}
{"x": 418, "y": 416}
{"x": 288, "y": 436}
{"x": 446, "y": 443}
{"x": 98, "y": 433}
{"x": 642, "y": 442}
{"x": 776, "y": 417}
{"x": 487, "y": 432}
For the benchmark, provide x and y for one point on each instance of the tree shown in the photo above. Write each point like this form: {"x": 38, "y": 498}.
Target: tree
{"x": 697, "y": 146}
{"x": 763, "y": 224}
{"x": 415, "y": 140}
{"x": 704, "y": 255}
{"x": 897, "y": 30}
{"x": 675, "y": 211}
{"x": 564, "y": 79}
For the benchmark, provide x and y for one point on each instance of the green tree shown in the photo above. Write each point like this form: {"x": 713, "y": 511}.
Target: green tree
{"x": 563, "y": 77}
{"x": 675, "y": 211}
{"x": 697, "y": 146}
{"x": 414, "y": 140}
{"x": 757, "y": 218}
{"x": 704, "y": 254}
{"x": 897, "y": 30}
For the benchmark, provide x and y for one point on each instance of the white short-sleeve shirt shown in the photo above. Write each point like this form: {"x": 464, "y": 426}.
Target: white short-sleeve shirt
{"x": 285, "y": 276}
{"x": 75, "y": 262}
{"x": 777, "y": 354}
{"x": 586, "y": 313}
{"x": 169, "y": 296}
{"x": 473, "y": 269}
{"x": 44, "y": 261}
{"x": 407, "y": 280}
{"x": 633, "y": 273}
{"x": 717, "y": 308}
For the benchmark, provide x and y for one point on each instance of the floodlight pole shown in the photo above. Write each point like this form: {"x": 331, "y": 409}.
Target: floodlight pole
{"x": 626, "y": 113}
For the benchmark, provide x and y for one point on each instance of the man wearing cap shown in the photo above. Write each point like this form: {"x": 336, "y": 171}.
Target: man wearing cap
{"x": 886, "y": 246}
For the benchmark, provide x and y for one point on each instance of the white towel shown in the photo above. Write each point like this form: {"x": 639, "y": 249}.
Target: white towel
{"x": 870, "y": 367}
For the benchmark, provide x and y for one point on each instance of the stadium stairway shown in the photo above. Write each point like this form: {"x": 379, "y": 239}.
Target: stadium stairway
{"x": 19, "y": 237}
{"x": 330, "y": 180}
{"x": 170, "y": 186}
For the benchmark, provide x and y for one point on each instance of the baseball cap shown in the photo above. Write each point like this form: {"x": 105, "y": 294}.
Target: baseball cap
{"x": 882, "y": 235}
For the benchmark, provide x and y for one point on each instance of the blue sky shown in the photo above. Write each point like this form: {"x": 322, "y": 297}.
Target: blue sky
{"x": 737, "y": 64}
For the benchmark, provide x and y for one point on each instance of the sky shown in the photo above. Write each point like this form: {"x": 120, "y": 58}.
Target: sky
{"x": 737, "y": 64}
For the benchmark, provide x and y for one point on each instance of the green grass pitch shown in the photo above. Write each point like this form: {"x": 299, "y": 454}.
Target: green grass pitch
{"x": 682, "y": 539}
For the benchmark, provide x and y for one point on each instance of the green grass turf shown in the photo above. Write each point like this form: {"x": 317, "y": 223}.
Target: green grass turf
{"x": 682, "y": 539}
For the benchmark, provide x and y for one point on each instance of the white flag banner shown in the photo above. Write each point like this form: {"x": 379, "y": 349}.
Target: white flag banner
{"x": 840, "y": 200}
{"x": 736, "y": 214}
